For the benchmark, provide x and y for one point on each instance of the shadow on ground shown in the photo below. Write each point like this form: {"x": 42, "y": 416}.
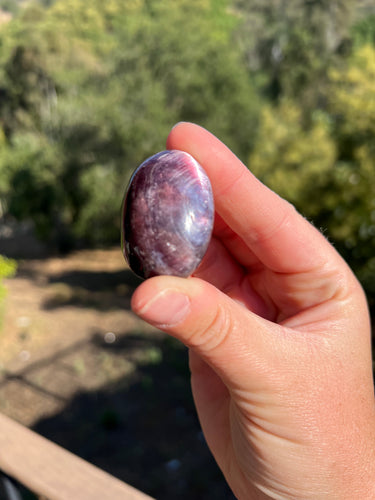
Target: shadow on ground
{"x": 121, "y": 401}
{"x": 137, "y": 421}
{"x": 101, "y": 290}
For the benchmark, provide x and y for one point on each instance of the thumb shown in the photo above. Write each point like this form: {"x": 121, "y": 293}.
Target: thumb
{"x": 231, "y": 339}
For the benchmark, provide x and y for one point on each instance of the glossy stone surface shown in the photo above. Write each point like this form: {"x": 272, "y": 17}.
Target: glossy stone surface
{"x": 168, "y": 215}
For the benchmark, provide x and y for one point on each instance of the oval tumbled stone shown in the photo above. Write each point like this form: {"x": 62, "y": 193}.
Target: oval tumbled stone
{"x": 168, "y": 216}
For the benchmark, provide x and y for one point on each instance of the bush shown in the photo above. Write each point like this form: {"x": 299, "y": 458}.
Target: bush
{"x": 7, "y": 269}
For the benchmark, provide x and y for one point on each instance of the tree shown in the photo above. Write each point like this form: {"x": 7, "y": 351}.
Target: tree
{"x": 95, "y": 89}
{"x": 292, "y": 43}
{"x": 363, "y": 32}
{"x": 352, "y": 105}
{"x": 327, "y": 168}
{"x": 296, "y": 160}
{"x": 26, "y": 87}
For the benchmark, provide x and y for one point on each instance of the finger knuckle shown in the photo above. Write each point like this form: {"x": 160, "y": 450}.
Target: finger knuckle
{"x": 215, "y": 334}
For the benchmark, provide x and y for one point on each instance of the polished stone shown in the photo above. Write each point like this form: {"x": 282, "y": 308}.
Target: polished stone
{"x": 167, "y": 216}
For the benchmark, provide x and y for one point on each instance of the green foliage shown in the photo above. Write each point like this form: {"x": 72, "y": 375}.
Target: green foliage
{"x": 353, "y": 98}
{"x": 353, "y": 105}
{"x": 326, "y": 166}
{"x": 7, "y": 269}
{"x": 363, "y": 32}
{"x": 299, "y": 159}
{"x": 11, "y": 6}
{"x": 32, "y": 173}
{"x": 290, "y": 44}
{"x": 91, "y": 91}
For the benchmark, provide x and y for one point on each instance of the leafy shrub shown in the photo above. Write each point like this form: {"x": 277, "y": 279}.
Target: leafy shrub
{"x": 7, "y": 269}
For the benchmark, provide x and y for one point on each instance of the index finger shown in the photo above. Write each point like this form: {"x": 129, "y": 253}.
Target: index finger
{"x": 270, "y": 226}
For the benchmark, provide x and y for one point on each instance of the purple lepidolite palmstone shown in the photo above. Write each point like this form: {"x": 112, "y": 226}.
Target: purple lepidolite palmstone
{"x": 168, "y": 215}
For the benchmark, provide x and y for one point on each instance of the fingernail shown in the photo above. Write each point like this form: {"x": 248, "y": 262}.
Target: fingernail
{"x": 176, "y": 124}
{"x": 166, "y": 309}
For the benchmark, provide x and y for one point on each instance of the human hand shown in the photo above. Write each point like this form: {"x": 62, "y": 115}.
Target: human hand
{"x": 279, "y": 338}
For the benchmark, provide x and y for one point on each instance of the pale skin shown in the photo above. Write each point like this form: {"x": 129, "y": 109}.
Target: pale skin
{"x": 279, "y": 339}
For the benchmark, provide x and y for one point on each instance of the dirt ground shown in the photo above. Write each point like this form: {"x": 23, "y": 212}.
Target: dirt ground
{"x": 79, "y": 368}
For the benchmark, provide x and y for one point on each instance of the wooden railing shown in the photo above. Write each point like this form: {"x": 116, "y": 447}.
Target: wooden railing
{"x": 48, "y": 470}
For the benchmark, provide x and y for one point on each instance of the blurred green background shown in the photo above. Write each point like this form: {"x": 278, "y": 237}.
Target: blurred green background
{"x": 89, "y": 89}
